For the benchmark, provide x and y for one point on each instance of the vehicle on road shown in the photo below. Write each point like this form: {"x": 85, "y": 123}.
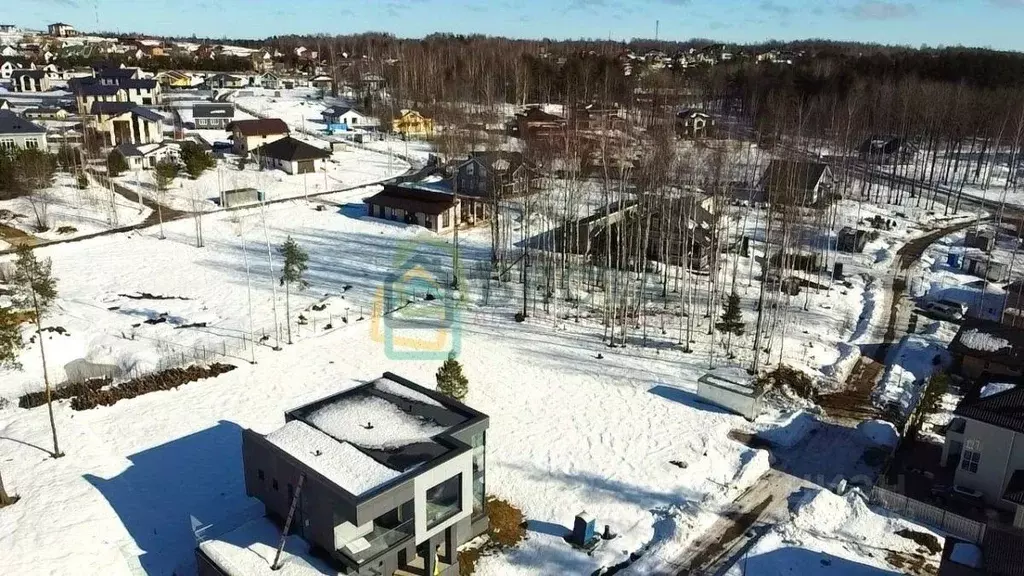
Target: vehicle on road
{"x": 945, "y": 310}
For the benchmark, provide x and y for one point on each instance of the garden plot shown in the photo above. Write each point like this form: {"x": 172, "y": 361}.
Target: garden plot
{"x": 65, "y": 211}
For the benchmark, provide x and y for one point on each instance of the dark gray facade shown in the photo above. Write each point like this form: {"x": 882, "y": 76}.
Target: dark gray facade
{"x": 432, "y": 506}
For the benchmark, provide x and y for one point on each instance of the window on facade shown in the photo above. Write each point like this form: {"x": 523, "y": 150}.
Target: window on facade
{"x": 443, "y": 501}
{"x": 355, "y": 121}
{"x": 260, "y": 475}
{"x": 972, "y": 456}
{"x": 31, "y": 144}
{"x": 445, "y": 219}
{"x": 7, "y": 143}
{"x": 274, "y": 484}
{"x": 479, "y": 473}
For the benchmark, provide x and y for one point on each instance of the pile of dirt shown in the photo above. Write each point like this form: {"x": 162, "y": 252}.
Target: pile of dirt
{"x": 166, "y": 380}
{"x": 928, "y": 541}
{"x": 66, "y": 391}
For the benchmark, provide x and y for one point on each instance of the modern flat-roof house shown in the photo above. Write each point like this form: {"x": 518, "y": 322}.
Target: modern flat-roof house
{"x": 985, "y": 441}
{"x": 387, "y": 478}
{"x": 983, "y": 349}
{"x": 126, "y": 123}
{"x": 210, "y": 116}
{"x": 796, "y": 182}
{"x": 17, "y": 132}
{"x": 30, "y": 81}
{"x": 291, "y": 155}
{"x": 248, "y": 135}
{"x": 431, "y": 205}
{"x": 61, "y": 30}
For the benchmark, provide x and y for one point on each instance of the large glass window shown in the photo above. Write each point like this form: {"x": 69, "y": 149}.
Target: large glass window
{"x": 479, "y": 473}
{"x": 443, "y": 500}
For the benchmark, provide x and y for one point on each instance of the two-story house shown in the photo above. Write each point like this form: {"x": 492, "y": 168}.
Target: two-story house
{"x": 796, "y": 182}
{"x": 985, "y": 441}
{"x": 17, "y": 132}
{"x": 248, "y": 135}
{"x": 30, "y": 81}
{"x": 88, "y": 92}
{"x": 61, "y": 30}
{"x": 347, "y": 118}
{"x": 126, "y": 123}
{"x": 385, "y": 477}
{"x": 493, "y": 174}
{"x": 411, "y": 123}
{"x": 694, "y": 124}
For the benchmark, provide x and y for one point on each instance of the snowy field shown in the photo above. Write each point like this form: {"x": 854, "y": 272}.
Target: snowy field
{"x": 838, "y": 536}
{"x": 136, "y": 471}
{"x": 64, "y": 204}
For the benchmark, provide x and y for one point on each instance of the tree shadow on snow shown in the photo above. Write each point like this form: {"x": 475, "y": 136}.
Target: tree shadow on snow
{"x": 196, "y": 475}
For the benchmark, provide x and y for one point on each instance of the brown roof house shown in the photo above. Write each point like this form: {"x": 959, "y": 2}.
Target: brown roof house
{"x": 796, "y": 182}
{"x": 694, "y": 124}
{"x": 535, "y": 122}
{"x": 432, "y": 205}
{"x": 292, "y": 156}
{"x": 985, "y": 442}
{"x": 251, "y": 134}
{"x": 983, "y": 348}
{"x": 494, "y": 173}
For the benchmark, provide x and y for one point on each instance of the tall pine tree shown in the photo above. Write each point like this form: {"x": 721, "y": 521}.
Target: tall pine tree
{"x": 450, "y": 380}
{"x": 732, "y": 317}
{"x": 295, "y": 259}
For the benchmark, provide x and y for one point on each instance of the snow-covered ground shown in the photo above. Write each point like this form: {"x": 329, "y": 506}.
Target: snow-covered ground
{"x": 64, "y": 204}
{"x": 840, "y": 536}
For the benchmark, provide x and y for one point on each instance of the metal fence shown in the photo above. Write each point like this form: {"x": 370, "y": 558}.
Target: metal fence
{"x": 953, "y": 524}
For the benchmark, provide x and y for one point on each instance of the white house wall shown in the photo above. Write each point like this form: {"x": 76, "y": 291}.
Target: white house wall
{"x": 463, "y": 464}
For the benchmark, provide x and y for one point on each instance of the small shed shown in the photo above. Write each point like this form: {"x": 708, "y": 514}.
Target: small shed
{"x": 240, "y": 197}
{"x": 982, "y": 265}
{"x": 733, "y": 389}
{"x": 982, "y": 239}
{"x": 852, "y": 240}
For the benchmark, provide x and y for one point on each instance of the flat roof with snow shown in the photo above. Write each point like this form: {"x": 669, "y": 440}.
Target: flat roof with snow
{"x": 370, "y": 436}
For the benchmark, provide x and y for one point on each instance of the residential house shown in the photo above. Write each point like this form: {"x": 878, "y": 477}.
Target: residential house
{"x": 321, "y": 82}
{"x": 117, "y": 85}
{"x": 18, "y": 132}
{"x": 998, "y": 554}
{"x": 536, "y": 122}
{"x": 985, "y": 441}
{"x": 126, "y": 122}
{"x": 144, "y": 92}
{"x": 431, "y": 205}
{"x": 112, "y": 76}
{"x": 984, "y": 348}
{"x": 362, "y": 508}
{"x": 7, "y": 28}
{"x": 47, "y": 113}
{"x": 347, "y": 118}
{"x": 851, "y": 240}
{"x": 411, "y": 123}
{"x": 212, "y": 116}
{"x": 9, "y": 52}
{"x": 87, "y": 92}
{"x": 174, "y": 79}
{"x": 7, "y": 68}
{"x": 694, "y": 124}
{"x": 52, "y": 71}
{"x": 594, "y": 118}
{"x": 224, "y": 81}
{"x": 147, "y": 156}
{"x": 30, "y": 81}
{"x": 796, "y": 182}
{"x": 248, "y": 135}
{"x": 291, "y": 155}
{"x": 887, "y": 150}
{"x": 4, "y": 104}
{"x": 61, "y": 30}
{"x": 495, "y": 174}
{"x": 270, "y": 81}
{"x": 372, "y": 82}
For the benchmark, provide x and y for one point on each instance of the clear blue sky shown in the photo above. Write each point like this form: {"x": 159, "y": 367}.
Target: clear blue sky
{"x": 992, "y": 23}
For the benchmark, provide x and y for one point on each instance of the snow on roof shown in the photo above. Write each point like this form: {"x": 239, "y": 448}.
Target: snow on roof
{"x": 977, "y": 340}
{"x": 995, "y": 388}
{"x": 396, "y": 389}
{"x": 966, "y": 554}
{"x": 372, "y": 422}
{"x": 340, "y": 462}
{"x": 249, "y": 551}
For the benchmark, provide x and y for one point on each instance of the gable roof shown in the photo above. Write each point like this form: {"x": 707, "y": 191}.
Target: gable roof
{"x": 1005, "y": 409}
{"x": 691, "y": 113}
{"x": 222, "y": 76}
{"x": 498, "y": 160}
{"x": 340, "y": 111}
{"x": 4, "y": 104}
{"x": 291, "y": 149}
{"x": 210, "y": 110}
{"x": 90, "y": 89}
{"x": 799, "y": 175}
{"x": 126, "y": 73}
{"x": 413, "y": 197}
{"x": 11, "y": 123}
{"x": 535, "y": 114}
{"x": 37, "y": 74}
{"x": 117, "y": 108}
{"x": 988, "y": 340}
{"x": 128, "y": 150}
{"x": 259, "y": 126}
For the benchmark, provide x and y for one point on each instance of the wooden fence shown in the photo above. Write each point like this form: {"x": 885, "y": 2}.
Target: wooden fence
{"x": 952, "y": 524}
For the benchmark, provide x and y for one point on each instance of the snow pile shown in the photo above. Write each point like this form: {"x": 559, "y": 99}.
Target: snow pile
{"x": 250, "y": 550}
{"x": 389, "y": 386}
{"x": 372, "y": 422}
{"x": 907, "y": 374}
{"x": 789, "y": 431}
{"x": 829, "y": 534}
{"x": 339, "y": 462}
{"x": 996, "y": 388}
{"x": 879, "y": 432}
{"x": 981, "y": 341}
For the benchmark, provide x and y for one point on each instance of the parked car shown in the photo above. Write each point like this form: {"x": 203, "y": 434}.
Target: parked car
{"x": 945, "y": 310}
{"x": 943, "y": 493}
